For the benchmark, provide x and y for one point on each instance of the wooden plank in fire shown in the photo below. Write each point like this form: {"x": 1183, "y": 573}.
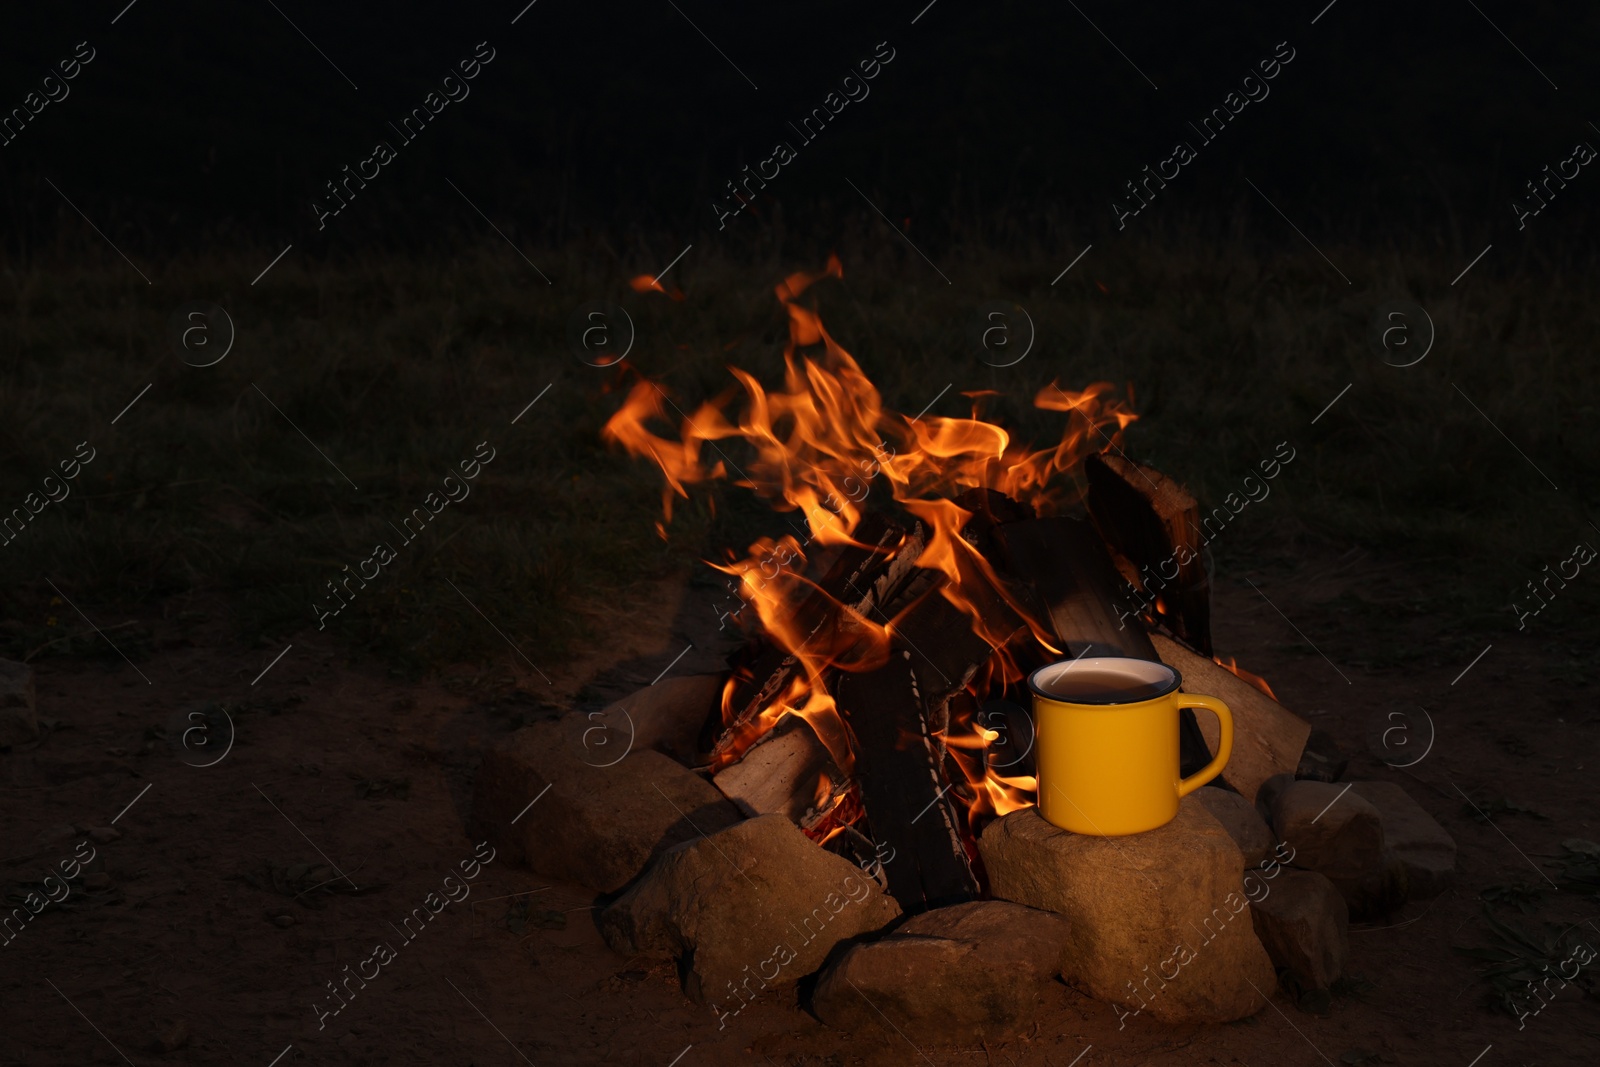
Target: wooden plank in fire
{"x": 945, "y": 650}
{"x": 850, "y": 580}
{"x": 901, "y": 773}
{"x": 896, "y": 576}
{"x": 781, "y": 773}
{"x": 1153, "y": 522}
{"x": 899, "y": 715}
{"x": 788, "y": 771}
{"x": 1066, "y": 566}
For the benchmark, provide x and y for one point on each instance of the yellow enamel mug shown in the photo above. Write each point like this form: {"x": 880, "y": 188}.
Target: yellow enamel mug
{"x": 1107, "y": 750}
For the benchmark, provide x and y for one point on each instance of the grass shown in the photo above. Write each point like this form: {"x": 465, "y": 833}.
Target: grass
{"x": 1518, "y": 964}
{"x": 398, "y": 367}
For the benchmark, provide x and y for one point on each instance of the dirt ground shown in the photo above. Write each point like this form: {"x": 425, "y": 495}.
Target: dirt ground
{"x": 207, "y": 928}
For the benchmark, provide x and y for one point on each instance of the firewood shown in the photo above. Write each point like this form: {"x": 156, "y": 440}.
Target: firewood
{"x": 886, "y": 593}
{"x": 842, "y": 811}
{"x": 945, "y": 650}
{"x": 765, "y": 670}
{"x": 781, "y": 772}
{"x": 1153, "y": 522}
{"x": 900, "y": 714}
{"x": 991, "y": 508}
{"x": 1067, "y": 567}
{"x": 904, "y": 787}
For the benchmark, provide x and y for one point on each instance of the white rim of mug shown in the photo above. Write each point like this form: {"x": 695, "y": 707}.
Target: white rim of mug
{"x": 1112, "y": 661}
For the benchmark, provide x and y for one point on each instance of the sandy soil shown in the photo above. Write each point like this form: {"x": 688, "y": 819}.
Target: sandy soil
{"x": 195, "y": 933}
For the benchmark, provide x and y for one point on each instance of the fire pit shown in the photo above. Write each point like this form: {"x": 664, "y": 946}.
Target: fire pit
{"x": 884, "y": 687}
{"x": 869, "y": 753}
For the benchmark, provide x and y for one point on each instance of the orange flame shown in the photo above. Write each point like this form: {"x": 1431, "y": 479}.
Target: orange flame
{"x": 1231, "y": 664}
{"x": 820, "y": 446}
{"x": 801, "y": 280}
{"x": 988, "y": 792}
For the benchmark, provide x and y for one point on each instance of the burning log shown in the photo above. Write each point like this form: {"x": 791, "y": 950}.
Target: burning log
{"x": 1065, "y": 564}
{"x": 889, "y": 587}
{"x": 904, "y": 786}
{"x": 991, "y": 508}
{"x": 900, "y": 714}
{"x": 760, "y": 682}
{"x": 787, "y": 771}
{"x": 1153, "y": 522}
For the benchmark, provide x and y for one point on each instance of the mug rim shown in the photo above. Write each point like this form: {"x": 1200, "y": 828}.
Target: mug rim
{"x": 1167, "y": 690}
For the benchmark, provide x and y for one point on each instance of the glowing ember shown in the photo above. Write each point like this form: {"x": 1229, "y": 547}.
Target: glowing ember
{"x": 821, "y": 445}
{"x": 644, "y": 283}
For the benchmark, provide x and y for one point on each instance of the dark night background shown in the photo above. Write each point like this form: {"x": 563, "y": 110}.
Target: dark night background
{"x": 202, "y": 124}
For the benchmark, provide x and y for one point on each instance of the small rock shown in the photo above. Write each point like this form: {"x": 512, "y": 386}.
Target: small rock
{"x": 19, "y": 719}
{"x": 1304, "y": 925}
{"x": 592, "y": 822}
{"x": 1239, "y": 817}
{"x": 669, "y": 715}
{"x": 1331, "y": 828}
{"x": 284, "y": 921}
{"x": 1323, "y": 760}
{"x": 1422, "y": 846}
{"x": 953, "y": 975}
{"x": 175, "y": 1037}
{"x": 753, "y": 906}
{"x": 1336, "y": 832}
{"x": 97, "y": 881}
{"x": 1158, "y": 920}
{"x": 103, "y": 835}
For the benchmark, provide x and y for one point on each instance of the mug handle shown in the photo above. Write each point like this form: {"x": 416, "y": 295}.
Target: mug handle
{"x": 1224, "y": 747}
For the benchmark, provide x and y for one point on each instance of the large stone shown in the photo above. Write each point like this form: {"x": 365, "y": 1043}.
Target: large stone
{"x": 668, "y": 715}
{"x": 1159, "y": 922}
{"x": 1333, "y": 830}
{"x": 1268, "y": 738}
{"x": 1239, "y": 817}
{"x": 19, "y": 721}
{"x": 953, "y": 975}
{"x": 592, "y": 822}
{"x": 1413, "y": 837}
{"x": 753, "y": 907}
{"x": 1304, "y": 925}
